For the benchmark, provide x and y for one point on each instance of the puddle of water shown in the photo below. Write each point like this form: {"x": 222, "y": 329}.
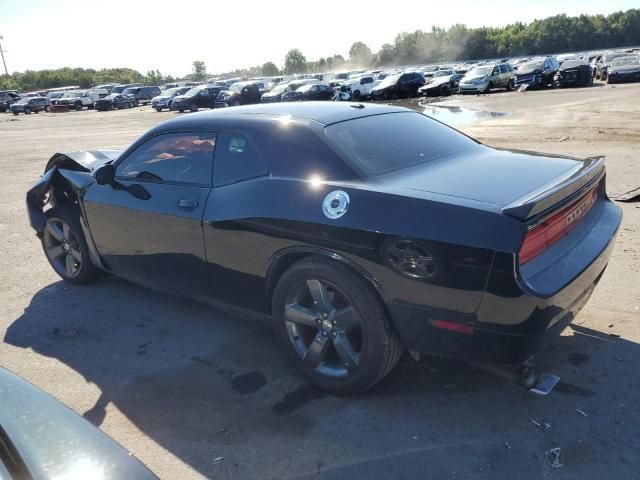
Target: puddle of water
{"x": 455, "y": 116}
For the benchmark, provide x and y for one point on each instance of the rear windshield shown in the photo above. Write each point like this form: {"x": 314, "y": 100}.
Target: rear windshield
{"x": 386, "y": 143}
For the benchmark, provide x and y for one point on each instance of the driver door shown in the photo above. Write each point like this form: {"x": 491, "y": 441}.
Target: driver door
{"x": 152, "y": 233}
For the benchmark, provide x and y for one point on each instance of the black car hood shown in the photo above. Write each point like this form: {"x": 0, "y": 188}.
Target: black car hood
{"x": 86, "y": 160}
{"x": 55, "y": 442}
{"x": 625, "y": 68}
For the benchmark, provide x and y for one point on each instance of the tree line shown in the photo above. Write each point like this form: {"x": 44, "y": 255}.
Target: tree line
{"x": 559, "y": 33}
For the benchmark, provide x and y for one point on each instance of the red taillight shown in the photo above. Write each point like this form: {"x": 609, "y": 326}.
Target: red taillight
{"x": 555, "y": 227}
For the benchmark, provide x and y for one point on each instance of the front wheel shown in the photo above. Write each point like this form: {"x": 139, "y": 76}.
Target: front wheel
{"x": 158, "y": 109}
{"x": 193, "y": 108}
{"x": 65, "y": 246}
{"x": 510, "y": 85}
{"x": 27, "y": 111}
{"x": 47, "y": 109}
{"x": 78, "y": 107}
{"x": 333, "y": 326}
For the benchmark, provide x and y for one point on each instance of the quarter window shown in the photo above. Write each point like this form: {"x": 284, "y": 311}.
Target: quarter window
{"x": 236, "y": 159}
{"x": 173, "y": 158}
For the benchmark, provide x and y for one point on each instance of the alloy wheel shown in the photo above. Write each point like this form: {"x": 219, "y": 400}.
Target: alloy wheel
{"x": 324, "y": 328}
{"x": 62, "y": 248}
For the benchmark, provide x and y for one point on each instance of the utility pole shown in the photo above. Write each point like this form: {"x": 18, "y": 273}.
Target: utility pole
{"x": 3, "y": 61}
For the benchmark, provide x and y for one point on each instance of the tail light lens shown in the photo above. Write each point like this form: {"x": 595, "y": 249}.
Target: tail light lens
{"x": 545, "y": 234}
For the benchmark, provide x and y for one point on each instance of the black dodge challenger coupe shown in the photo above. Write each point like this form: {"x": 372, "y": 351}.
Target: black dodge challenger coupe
{"x": 358, "y": 230}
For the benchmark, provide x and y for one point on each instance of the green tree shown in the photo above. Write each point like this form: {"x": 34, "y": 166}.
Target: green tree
{"x": 360, "y": 54}
{"x": 270, "y": 69}
{"x": 153, "y": 77}
{"x": 295, "y": 62}
{"x": 199, "y": 72}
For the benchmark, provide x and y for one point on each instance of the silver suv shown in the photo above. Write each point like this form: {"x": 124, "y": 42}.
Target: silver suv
{"x": 484, "y": 78}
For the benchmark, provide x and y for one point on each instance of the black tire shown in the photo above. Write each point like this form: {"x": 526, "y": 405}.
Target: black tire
{"x": 193, "y": 108}
{"x": 489, "y": 87}
{"x": 136, "y": 103}
{"x": 130, "y": 105}
{"x": 158, "y": 109}
{"x": 181, "y": 110}
{"x": 355, "y": 95}
{"x": 511, "y": 85}
{"x": 372, "y": 348}
{"x": 236, "y": 102}
{"x": 27, "y": 111}
{"x": 15, "y": 112}
{"x": 445, "y": 91}
{"x": 65, "y": 247}
{"x": 47, "y": 109}
{"x": 78, "y": 106}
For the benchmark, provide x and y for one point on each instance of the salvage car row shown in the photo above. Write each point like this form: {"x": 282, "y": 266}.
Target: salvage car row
{"x": 576, "y": 70}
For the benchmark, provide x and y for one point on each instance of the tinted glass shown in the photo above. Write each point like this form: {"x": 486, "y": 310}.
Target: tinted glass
{"x": 236, "y": 159}
{"x": 385, "y": 143}
{"x": 176, "y": 157}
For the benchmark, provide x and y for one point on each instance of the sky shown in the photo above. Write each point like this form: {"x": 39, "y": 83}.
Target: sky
{"x": 169, "y": 36}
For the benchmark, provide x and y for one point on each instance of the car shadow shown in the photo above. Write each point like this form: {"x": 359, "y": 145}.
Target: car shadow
{"x": 203, "y": 384}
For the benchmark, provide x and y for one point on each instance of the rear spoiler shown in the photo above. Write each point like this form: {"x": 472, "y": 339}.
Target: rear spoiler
{"x": 570, "y": 184}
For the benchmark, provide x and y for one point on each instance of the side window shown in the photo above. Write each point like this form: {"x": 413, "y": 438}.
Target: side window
{"x": 236, "y": 159}
{"x": 495, "y": 71}
{"x": 174, "y": 157}
{"x": 503, "y": 68}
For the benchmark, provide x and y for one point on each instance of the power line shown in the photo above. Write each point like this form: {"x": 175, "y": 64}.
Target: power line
{"x": 3, "y": 60}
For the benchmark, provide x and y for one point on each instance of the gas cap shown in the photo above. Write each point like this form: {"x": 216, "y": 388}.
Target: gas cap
{"x": 335, "y": 204}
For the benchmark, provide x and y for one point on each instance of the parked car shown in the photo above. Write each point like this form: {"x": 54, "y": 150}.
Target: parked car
{"x": 114, "y": 101}
{"x": 165, "y": 99}
{"x": 602, "y": 67}
{"x": 79, "y": 99}
{"x": 398, "y": 86}
{"x": 275, "y": 94}
{"x": 328, "y": 249}
{"x": 30, "y": 104}
{"x": 442, "y": 86}
{"x": 142, "y": 95}
{"x": 53, "y": 96}
{"x": 44, "y": 439}
{"x": 361, "y": 86}
{"x": 573, "y": 73}
{"x": 197, "y": 97}
{"x": 122, "y": 88}
{"x": 537, "y": 73}
{"x": 485, "y": 78}
{"x": 240, "y": 93}
{"x": 7, "y": 97}
{"x": 624, "y": 69}
{"x": 311, "y": 91}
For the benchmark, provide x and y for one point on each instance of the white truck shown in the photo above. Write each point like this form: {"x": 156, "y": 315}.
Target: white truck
{"x": 81, "y": 98}
{"x": 361, "y": 86}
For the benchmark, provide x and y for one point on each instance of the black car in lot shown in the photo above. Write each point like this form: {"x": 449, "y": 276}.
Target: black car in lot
{"x": 114, "y": 101}
{"x": 356, "y": 230}
{"x": 165, "y": 99}
{"x": 574, "y": 73}
{"x": 398, "y": 86}
{"x": 275, "y": 94}
{"x": 240, "y": 93}
{"x": 7, "y": 97}
{"x": 602, "y": 67}
{"x": 30, "y": 104}
{"x": 442, "y": 86}
{"x": 142, "y": 95}
{"x": 203, "y": 96}
{"x": 538, "y": 73}
{"x": 624, "y": 69}
{"x": 314, "y": 91}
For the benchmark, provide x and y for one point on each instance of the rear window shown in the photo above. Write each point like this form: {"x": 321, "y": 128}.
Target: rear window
{"x": 386, "y": 143}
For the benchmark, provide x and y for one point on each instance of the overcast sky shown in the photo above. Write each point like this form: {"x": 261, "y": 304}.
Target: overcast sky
{"x": 232, "y": 34}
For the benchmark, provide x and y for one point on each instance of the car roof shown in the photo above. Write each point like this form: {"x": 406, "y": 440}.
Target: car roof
{"x": 325, "y": 113}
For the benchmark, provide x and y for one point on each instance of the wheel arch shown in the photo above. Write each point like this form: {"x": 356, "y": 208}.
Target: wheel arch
{"x": 285, "y": 258}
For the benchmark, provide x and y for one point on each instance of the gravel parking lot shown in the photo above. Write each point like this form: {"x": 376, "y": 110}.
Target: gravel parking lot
{"x": 182, "y": 385}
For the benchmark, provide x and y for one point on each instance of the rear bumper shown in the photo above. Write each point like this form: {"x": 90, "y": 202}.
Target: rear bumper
{"x": 513, "y": 322}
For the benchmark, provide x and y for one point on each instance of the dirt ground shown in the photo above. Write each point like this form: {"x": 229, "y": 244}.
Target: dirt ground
{"x": 180, "y": 384}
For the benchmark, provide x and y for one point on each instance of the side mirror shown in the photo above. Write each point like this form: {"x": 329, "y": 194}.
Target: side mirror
{"x": 105, "y": 174}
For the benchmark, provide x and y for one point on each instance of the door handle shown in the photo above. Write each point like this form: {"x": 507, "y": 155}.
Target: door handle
{"x": 188, "y": 204}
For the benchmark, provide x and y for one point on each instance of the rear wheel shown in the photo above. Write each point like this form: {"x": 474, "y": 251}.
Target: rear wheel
{"x": 27, "y": 111}
{"x": 510, "y": 85}
{"x": 65, "y": 246}
{"x": 78, "y": 106}
{"x": 333, "y": 326}
{"x": 158, "y": 109}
